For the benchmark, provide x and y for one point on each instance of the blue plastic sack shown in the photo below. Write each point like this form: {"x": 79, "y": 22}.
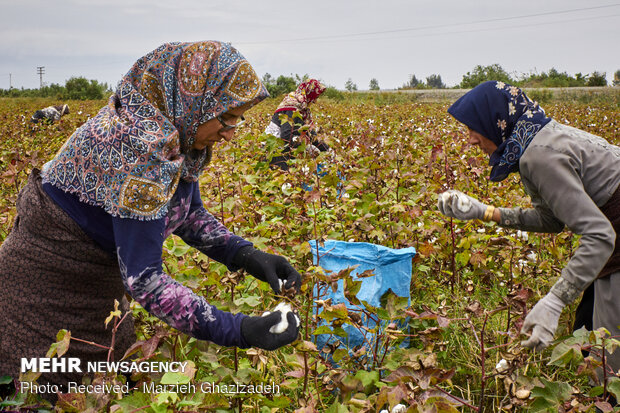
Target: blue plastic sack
{"x": 392, "y": 271}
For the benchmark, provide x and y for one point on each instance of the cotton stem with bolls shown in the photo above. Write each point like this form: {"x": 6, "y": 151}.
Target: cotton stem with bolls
{"x": 510, "y": 286}
{"x": 483, "y": 352}
{"x": 453, "y": 278}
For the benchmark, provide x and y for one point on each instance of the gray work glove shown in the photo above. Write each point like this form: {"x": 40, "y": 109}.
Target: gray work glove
{"x": 542, "y": 321}
{"x": 457, "y": 205}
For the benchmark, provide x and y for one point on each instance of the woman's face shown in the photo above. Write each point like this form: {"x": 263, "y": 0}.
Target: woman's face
{"x": 486, "y": 145}
{"x": 212, "y": 131}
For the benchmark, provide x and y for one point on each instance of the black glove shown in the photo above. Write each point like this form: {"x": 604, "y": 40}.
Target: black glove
{"x": 255, "y": 331}
{"x": 268, "y": 267}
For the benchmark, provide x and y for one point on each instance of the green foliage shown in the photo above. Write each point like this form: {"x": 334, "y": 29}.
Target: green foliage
{"x": 482, "y": 74}
{"x": 540, "y": 95}
{"x": 76, "y": 88}
{"x": 283, "y": 84}
{"x": 374, "y": 84}
{"x": 280, "y": 86}
{"x": 550, "y": 396}
{"x": 434, "y": 82}
{"x": 597, "y": 79}
{"x": 80, "y": 88}
{"x": 413, "y": 83}
{"x": 553, "y": 78}
{"x": 333, "y": 93}
{"x": 350, "y": 86}
{"x": 617, "y": 78}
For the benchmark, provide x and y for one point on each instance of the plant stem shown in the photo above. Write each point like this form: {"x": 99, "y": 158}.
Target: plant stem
{"x": 458, "y": 399}
{"x": 480, "y": 341}
{"x": 111, "y": 350}
{"x": 219, "y": 191}
{"x": 91, "y": 343}
{"x": 452, "y": 256}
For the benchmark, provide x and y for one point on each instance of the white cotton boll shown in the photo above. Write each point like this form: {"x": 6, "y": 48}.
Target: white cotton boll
{"x": 463, "y": 203}
{"x": 481, "y": 230}
{"x": 399, "y": 408}
{"x": 531, "y": 256}
{"x": 284, "y": 309}
{"x": 445, "y": 197}
{"x": 502, "y": 366}
{"x": 286, "y": 187}
{"x": 384, "y": 411}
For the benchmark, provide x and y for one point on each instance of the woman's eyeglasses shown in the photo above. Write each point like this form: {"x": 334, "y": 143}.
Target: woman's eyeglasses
{"x": 226, "y": 126}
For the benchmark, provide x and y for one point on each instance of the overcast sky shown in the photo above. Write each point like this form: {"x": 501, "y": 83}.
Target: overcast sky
{"x": 331, "y": 40}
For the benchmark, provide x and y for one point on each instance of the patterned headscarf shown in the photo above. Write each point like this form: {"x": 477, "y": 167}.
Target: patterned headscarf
{"x": 129, "y": 158}
{"x": 307, "y": 92}
{"x": 505, "y": 115}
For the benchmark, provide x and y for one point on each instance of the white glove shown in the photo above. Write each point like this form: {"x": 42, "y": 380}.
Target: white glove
{"x": 457, "y": 205}
{"x": 542, "y": 321}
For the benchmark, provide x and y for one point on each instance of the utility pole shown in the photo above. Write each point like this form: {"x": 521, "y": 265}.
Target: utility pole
{"x": 10, "y": 81}
{"x": 41, "y": 72}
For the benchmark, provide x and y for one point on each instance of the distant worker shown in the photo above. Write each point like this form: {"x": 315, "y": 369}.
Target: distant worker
{"x": 50, "y": 113}
{"x": 293, "y": 128}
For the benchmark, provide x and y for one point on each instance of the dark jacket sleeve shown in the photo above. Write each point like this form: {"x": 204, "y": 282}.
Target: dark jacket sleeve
{"x": 204, "y": 232}
{"x": 139, "y": 247}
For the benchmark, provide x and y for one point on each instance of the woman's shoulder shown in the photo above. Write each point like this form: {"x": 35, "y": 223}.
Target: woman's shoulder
{"x": 548, "y": 146}
{"x": 557, "y": 142}
{"x": 561, "y": 135}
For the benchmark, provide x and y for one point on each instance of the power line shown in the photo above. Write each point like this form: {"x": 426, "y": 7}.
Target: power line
{"x": 439, "y": 26}
{"x": 481, "y": 29}
{"x": 41, "y": 72}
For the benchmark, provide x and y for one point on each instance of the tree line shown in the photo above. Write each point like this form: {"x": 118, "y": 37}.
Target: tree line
{"x": 553, "y": 78}
{"x": 80, "y": 88}
{"x": 76, "y": 88}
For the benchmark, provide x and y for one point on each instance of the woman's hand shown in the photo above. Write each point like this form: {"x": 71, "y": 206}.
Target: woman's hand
{"x": 255, "y": 331}
{"x": 457, "y": 205}
{"x": 273, "y": 269}
{"x": 542, "y": 321}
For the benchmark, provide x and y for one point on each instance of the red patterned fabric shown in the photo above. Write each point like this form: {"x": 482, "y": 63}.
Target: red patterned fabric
{"x": 307, "y": 92}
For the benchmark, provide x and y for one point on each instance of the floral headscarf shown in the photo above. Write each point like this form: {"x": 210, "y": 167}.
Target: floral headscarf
{"x": 129, "y": 158}
{"x": 307, "y": 92}
{"x": 505, "y": 115}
